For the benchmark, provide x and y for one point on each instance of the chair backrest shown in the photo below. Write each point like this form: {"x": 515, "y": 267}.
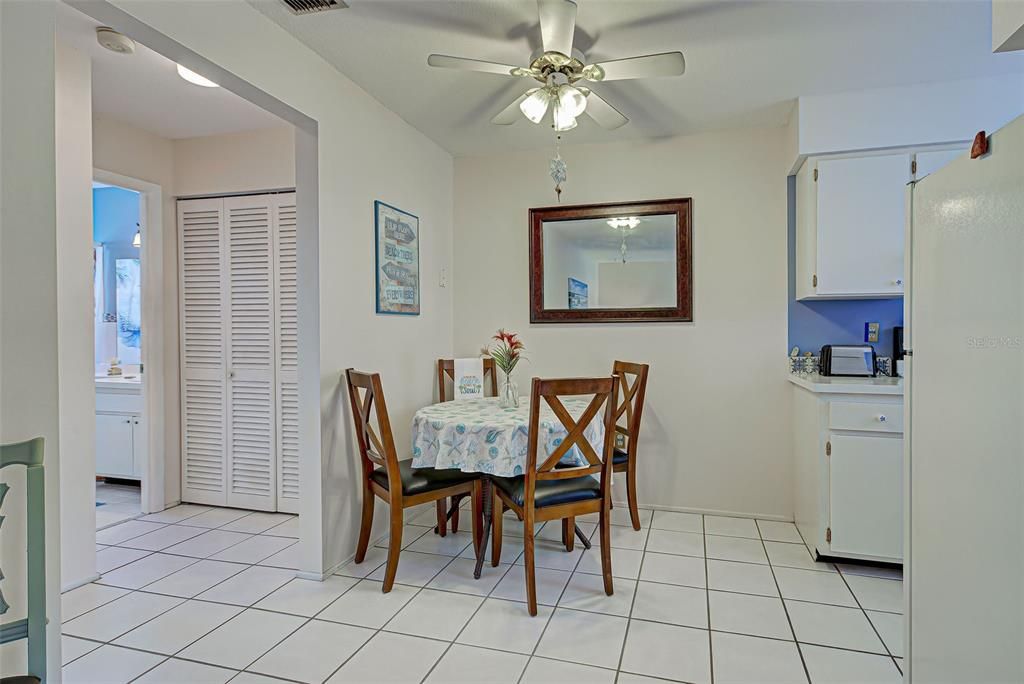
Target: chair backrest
{"x": 33, "y": 627}
{"x": 603, "y": 391}
{"x": 630, "y": 400}
{"x": 376, "y": 446}
{"x": 446, "y": 368}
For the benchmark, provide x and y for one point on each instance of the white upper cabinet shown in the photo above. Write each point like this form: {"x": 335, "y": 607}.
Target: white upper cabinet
{"x": 850, "y": 222}
{"x": 850, "y": 227}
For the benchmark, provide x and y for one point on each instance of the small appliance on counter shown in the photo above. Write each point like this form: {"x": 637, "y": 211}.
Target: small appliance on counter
{"x": 853, "y": 360}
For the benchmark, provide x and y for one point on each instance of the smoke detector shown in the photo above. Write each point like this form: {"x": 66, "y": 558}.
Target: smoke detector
{"x": 114, "y": 41}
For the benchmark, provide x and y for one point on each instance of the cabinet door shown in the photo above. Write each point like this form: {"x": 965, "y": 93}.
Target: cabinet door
{"x": 860, "y": 217}
{"x": 806, "y": 231}
{"x": 114, "y": 445}
{"x": 139, "y": 452}
{"x": 866, "y": 495}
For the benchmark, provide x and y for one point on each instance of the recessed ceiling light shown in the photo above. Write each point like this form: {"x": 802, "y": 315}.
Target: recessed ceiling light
{"x": 193, "y": 77}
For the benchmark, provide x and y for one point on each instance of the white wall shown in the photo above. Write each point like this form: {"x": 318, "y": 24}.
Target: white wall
{"x": 236, "y": 162}
{"x": 715, "y": 430}
{"x": 904, "y": 116}
{"x": 76, "y": 326}
{"x": 1007, "y": 25}
{"x": 28, "y": 296}
{"x": 365, "y": 152}
{"x": 130, "y": 151}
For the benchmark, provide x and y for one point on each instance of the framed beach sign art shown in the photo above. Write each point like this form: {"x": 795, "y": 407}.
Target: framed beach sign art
{"x": 398, "y": 260}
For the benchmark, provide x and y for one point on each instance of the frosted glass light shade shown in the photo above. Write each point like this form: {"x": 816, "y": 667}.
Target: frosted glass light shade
{"x": 536, "y": 105}
{"x": 564, "y": 119}
{"x": 571, "y": 100}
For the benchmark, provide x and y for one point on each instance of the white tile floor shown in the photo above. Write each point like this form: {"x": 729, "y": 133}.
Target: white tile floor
{"x": 120, "y": 502}
{"x": 195, "y": 594}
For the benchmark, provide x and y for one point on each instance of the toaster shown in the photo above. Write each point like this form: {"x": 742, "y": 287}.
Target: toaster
{"x": 856, "y": 360}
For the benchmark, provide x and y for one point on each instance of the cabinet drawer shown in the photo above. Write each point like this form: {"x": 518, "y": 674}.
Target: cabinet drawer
{"x": 118, "y": 402}
{"x": 867, "y": 416}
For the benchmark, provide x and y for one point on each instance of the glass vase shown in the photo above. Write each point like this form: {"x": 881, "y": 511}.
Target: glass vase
{"x": 509, "y": 395}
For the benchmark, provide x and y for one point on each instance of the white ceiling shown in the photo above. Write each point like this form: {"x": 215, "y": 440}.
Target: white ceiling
{"x": 746, "y": 60}
{"x": 144, "y": 89}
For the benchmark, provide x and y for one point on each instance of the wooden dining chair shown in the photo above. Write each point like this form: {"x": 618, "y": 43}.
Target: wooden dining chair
{"x": 384, "y": 476}
{"x": 632, "y": 387}
{"x": 446, "y": 370}
{"x": 552, "y": 491}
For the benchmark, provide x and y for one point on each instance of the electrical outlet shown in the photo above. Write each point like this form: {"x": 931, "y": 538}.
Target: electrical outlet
{"x": 871, "y": 332}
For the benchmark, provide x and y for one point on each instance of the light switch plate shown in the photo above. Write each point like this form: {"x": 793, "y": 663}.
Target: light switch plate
{"x": 871, "y": 332}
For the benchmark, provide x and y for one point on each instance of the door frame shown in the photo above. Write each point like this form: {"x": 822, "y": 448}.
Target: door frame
{"x": 154, "y": 354}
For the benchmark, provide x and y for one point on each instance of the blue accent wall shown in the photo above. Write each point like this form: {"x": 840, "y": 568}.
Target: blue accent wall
{"x": 815, "y": 323}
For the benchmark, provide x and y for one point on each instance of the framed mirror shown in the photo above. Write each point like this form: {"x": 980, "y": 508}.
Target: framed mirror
{"x": 611, "y": 263}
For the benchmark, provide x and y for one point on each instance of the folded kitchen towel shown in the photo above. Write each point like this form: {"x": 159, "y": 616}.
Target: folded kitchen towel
{"x": 469, "y": 378}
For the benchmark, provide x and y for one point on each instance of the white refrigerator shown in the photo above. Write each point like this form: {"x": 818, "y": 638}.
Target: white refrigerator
{"x": 964, "y": 580}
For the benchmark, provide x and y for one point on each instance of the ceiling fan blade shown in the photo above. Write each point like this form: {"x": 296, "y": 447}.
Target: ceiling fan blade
{"x": 606, "y": 116}
{"x": 466, "y": 64}
{"x": 647, "y": 66}
{"x": 557, "y": 24}
{"x": 509, "y": 115}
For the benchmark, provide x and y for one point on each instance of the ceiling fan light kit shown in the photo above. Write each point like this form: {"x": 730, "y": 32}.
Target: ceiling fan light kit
{"x": 560, "y": 69}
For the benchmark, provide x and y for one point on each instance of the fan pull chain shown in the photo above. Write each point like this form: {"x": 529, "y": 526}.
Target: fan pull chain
{"x": 558, "y": 169}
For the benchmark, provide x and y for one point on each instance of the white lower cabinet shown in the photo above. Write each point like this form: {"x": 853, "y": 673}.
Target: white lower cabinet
{"x": 120, "y": 445}
{"x": 849, "y": 470}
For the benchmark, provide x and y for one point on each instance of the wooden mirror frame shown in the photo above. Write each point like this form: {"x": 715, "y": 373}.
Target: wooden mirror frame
{"x": 682, "y": 311}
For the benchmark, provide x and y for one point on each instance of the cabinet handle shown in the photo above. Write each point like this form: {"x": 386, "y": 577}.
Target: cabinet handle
{"x": 882, "y": 418}
{"x": 898, "y": 281}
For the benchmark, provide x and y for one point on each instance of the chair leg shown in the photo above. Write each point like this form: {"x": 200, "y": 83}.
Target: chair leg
{"x": 365, "y": 525}
{"x": 531, "y": 573}
{"x": 497, "y": 509}
{"x": 456, "y": 503}
{"x": 634, "y": 512}
{"x": 606, "y": 546}
{"x": 478, "y": 513}
{"x": 442, "y": 517}
{"x": 394, "y": 547}
{"x": 569, "y": 532}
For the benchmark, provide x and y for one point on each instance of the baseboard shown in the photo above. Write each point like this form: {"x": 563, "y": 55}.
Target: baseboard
{"x": 79, "y": 583}
{"x": 707, "y": 511}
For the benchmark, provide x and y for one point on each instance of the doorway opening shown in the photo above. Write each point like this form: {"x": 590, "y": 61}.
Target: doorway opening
{"x": 121, "y": 438}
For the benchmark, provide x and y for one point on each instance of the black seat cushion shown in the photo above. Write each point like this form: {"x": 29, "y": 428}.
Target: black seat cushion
{"x": 20, "y": 679}
{"x": 620, "y": 456}
{"x": 551, "y": 492}
{"x": 420, "y": 480}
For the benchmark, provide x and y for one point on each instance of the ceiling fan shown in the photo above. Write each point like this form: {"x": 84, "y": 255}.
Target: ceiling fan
{"x": 561, "y": 71}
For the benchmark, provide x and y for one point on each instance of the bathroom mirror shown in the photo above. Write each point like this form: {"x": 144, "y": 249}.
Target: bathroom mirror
{"x": 611, "y": 262}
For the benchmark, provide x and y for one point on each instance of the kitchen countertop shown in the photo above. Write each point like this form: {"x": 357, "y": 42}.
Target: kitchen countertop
{"x": 832, "y": 385}
{"x": 114, "y": 382}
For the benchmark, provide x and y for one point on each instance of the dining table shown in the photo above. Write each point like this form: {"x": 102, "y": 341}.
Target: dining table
{"x": 482, "y": 436}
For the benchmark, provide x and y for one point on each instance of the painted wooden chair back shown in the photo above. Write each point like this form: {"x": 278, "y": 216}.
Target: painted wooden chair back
{"x": 33, "y": 627}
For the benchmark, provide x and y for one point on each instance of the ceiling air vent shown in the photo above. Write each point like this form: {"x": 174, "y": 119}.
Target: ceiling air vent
{"x": 301, "y": 7}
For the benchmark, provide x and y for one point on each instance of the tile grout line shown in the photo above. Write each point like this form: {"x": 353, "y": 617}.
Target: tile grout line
{"x": 782, "y": 600}
{"x": 870, "y": 622}
{"x": 632, "y": 603}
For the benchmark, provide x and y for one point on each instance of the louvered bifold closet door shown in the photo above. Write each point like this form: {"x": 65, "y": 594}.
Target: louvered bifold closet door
{"x": 251, "y": 472}
{"x": 203, "y": 347}
{"x": 287, "y": 355}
